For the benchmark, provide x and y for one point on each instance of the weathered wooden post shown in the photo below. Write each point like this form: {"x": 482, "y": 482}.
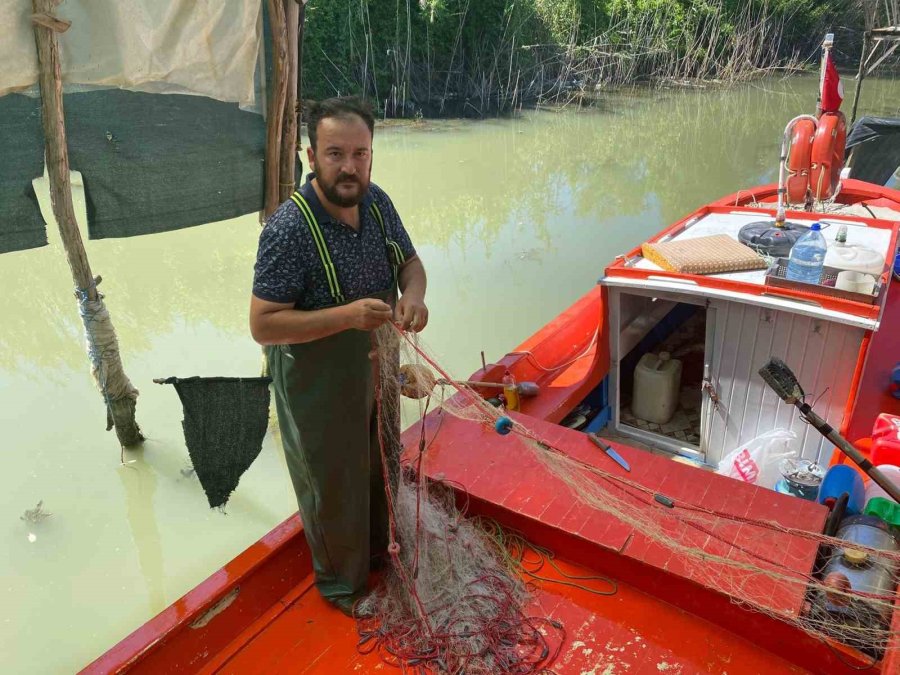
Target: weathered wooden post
{"x": 275, "y": 108}
{"x": 102, "y": 344}
{"x": 287, "y": 174}
{"x": 300, "y": 29}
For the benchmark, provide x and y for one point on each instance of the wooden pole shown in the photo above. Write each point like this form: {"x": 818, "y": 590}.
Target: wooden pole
{"x": 287, "y": 174}
{"x": 275, "y": 109}
{"x": 860, "y": 76}
{"x": 105, "y": 361}
{"x": 300, "y": 30}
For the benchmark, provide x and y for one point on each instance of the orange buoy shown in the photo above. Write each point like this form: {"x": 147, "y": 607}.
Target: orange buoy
{"x": 798, "y": 161}
{"x": 416, "y": 380}
{"x": 827, "y": 156}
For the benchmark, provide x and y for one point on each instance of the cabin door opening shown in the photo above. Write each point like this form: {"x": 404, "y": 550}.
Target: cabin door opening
{"x": 662, "y": 410}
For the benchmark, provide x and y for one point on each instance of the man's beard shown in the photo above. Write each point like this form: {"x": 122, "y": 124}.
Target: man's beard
{"x": 331, "y": 192}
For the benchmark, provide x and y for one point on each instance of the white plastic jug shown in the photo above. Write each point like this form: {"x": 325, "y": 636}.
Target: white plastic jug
{"x": 657, "y": 383}
{"x": 853, "y": 257}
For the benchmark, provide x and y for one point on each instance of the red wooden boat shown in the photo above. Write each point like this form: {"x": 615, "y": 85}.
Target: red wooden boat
{"x": 260, "y": 613}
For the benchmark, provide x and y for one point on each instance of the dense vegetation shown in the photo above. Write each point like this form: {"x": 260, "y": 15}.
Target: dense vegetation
{"x": 483, "y": 56}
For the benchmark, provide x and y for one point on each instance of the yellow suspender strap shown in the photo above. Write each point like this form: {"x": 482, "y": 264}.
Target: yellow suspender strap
{"x": 319, "y": 239}
{"x": 391, "y": 244}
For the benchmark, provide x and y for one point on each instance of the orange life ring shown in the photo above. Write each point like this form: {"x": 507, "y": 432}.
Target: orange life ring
{"x": 798, "y": 161}
{"x": 827, "y": 157}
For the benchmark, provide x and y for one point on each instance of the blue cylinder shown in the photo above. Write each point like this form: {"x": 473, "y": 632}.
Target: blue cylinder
{"x": 842, "y": 478}
{"x": 503, "y": 425}
{"x": 895, "y": 381}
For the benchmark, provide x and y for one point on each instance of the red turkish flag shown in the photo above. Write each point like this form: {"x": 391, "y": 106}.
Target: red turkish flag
{"x": 832, "y": 89}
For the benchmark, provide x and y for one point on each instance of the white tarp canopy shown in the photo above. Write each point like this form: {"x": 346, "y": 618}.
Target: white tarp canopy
{"x": 205, "y": 47}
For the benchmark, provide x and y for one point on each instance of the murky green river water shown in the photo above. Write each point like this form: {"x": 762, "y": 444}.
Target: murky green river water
{"x": 514, "y": 219}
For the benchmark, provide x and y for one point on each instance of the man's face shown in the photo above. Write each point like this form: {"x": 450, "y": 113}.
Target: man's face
{"x": 342, "y": 159}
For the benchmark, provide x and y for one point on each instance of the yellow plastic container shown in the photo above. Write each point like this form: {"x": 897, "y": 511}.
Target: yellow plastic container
{"x": 510, "y": 392}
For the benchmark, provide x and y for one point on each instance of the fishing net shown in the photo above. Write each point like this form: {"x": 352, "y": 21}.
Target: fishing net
{"x": 449, "y": 601}
{"x": 450, "y": 604}
{"x": 225, "y": 420}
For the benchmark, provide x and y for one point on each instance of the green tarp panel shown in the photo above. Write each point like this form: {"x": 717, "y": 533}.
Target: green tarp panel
{"x": 225, "y": 420}
{"x": 150, "y": 163}
{"x": 155, "y": 163}
{"x": 21, "y": 161}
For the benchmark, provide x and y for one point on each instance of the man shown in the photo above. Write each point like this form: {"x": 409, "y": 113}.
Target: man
{"x": 329, "y": 263}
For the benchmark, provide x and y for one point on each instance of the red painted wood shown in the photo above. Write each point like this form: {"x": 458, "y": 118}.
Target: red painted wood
{"x": 569, "y": 335}
{"x": 852, "y": 192}
{"x": 276, "y": 623}
{"x": 513, "y": 468}
{"x": 627, "y": 632}
{"x": 699, "y": 599}
{"x": 891, "y": 663}
{"x": 260, "y": 576}
{"x": 309, "y": 635}
{"x": 873, "y": 395}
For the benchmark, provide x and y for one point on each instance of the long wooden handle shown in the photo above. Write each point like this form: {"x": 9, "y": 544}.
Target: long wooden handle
{"x": 828, "y": 431}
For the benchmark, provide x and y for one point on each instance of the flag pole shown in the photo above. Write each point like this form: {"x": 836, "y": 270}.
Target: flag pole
{"x": 827, "y": 44}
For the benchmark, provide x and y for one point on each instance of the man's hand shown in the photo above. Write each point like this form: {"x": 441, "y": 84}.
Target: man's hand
{"x": 368, "y": 314}
{"x": 411, "y": 313}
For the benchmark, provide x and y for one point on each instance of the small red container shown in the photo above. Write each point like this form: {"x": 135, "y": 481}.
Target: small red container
{"x": 886, "y": 440}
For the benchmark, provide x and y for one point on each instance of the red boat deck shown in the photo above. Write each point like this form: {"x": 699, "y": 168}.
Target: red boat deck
{"x": 628, "y": 632}
{"x": 671, "y": 614}
{"x": 507, "y": 480}
{"x": 262, "y": 614}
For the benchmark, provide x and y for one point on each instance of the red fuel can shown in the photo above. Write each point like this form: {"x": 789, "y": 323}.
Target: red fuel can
{"x": 886, "y": 440}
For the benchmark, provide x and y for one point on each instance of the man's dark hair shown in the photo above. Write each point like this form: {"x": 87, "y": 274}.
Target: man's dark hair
{"x": 343, "y": 106}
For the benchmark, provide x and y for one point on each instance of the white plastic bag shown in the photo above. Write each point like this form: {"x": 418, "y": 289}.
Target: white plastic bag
{"x": 757, "y": 461}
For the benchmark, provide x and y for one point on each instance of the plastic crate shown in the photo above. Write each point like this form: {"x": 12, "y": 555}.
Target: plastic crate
{"x": 775, "y": 276}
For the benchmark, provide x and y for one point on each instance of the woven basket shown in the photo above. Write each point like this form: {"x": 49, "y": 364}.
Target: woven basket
{"x": 715, "y": 254}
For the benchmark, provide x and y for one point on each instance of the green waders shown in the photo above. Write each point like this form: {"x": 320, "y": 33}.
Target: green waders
{"x": 325, "y": 399}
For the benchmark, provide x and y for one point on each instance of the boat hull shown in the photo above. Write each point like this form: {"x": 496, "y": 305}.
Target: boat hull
{"x": 262, "y": 603}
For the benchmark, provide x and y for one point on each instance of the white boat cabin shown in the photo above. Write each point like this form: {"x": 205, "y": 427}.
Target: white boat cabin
{"x": 723, "y": 333}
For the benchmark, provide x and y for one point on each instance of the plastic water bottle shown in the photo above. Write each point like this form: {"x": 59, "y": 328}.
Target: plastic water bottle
{"x": 808, "y": 257}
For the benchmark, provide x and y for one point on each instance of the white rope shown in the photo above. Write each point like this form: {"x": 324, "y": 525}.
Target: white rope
{"x": 103, "y": 349}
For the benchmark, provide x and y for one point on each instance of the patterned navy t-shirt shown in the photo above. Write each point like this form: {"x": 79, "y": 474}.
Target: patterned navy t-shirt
{"x": 288, "y": 266}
